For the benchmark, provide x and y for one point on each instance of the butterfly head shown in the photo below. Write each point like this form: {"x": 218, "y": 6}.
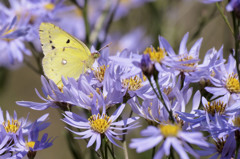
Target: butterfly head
{"x": 95, "y": 55}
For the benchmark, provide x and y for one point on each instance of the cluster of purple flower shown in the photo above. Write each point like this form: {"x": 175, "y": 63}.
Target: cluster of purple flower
{"x": 155, "y": 85}
{"x": 20, "y": 137}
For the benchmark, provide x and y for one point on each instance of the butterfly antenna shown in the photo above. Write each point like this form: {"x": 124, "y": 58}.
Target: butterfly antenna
{"x": 105, "y": 46}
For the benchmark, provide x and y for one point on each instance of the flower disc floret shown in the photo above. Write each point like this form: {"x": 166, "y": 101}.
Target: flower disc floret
{"x": 232, "y": 83}
{"x": 99, "y": 123}
{"x": 155, "y": 55}
{"x": 169, "y": 130}
{"x": 236, "y": 121}
{"x": 99, "y": 72}
{"x": 11, "y": 127}
{"x": 132, "y": 84}
{"x": 186, "y": 58}
{"x": 30, "y": 144}
{"x": 49, "y": 6}
{"x": 215, "y": 107}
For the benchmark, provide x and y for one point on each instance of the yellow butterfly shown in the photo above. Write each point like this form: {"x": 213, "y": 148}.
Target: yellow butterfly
{"x": 64, "y": 55}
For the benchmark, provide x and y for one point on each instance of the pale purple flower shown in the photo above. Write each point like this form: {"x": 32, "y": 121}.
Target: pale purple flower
{"x": 169, "y": 136}
{"x": 30, "y": 145}
{"x": 225, "y": 81}
{"x": 11, "y": 125}
{"x": 109, "y": 127}
{"x": 214, "y": 118}
{"x": 223, "y": 147}
{"x": 185, "y": 61}
{"x": 12, "y": 46}
{"x": 53, "y": 97}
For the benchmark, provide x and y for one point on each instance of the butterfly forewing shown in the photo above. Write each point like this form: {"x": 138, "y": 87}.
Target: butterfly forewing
{"x": 64, "y": 55}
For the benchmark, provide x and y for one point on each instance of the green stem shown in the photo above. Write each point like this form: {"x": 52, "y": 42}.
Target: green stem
{"x": 31, "y": 66}
{"x": 236, "y": 152}
{"x": 101, "y": 157}
{"x": 236, "y": 24}
{"x": 224, "y": 18}
{"x": 101, "y": 150}
{"x": 160, "y": 97}
{"x": 237, "y": 135}
{"x": 153, "y": 151}
{"x": 100, "y": 22}
{"x": 105, "y": 147}
{"x": 86, "y": 22}
{"x": 111, "y": 151}
{"x": 73, "y": 146}
{"x": 125, "y": 148}
{"x": 182, "y": 79}
{"x": 108, "y": 24}
{"x": 203, "y": 22}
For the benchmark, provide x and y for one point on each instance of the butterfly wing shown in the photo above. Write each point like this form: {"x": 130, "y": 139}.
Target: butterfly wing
{"x": 64, "y": 54}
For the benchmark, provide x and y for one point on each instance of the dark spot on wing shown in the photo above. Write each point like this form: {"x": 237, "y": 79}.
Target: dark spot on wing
{"x": 40, "y": 30}
{"x": 64, "y": 49}
{"x": 41, "y": 44}
{"x": 53, "y": 47}
{"x": 50, "y": 41}
{"x": 52, "y": 69}
{"x": 68, "y": 41}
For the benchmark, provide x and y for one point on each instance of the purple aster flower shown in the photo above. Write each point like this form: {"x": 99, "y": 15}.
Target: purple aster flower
{"x": 99, "y": 124}
{"x": 169, "y": 135}
{"x": 31, "y": 145}
{"x": 214, "y": 118}
{"x": 12, "y": 125}
{"x": 12, "y": 45}
{"x": 225, "y": 80}
{"x": 186, "y": 61}
{"x": 133, "y": 83}
{"x": 204, "y": 71}
{"x": 224, "y": 147}
{"x": 53, "y": 97}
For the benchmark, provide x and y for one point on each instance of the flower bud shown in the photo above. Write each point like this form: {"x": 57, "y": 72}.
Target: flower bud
{"x": 146, "y": 65}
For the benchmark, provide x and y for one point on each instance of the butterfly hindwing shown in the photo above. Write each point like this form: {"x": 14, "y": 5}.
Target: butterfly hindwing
{"x": 67, "y": 64}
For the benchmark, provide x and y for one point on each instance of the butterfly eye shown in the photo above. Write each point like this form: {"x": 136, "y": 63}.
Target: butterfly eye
{"x": 95, "y": 55}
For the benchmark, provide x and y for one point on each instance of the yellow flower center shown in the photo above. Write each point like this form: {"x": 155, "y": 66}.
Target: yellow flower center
{"x": 232, "y": 83}
{"x": 169, "y": 130}
{"x": 155, "y": 55}
{"x": 6, "y": 33}
{"x": 236, "y": 121}
{"x": 99, "y": 73}
{"x": 144, "y": 77}
{"x": 11, "y": 127}
{"x": 132, "y": 84}
{"x": 30, "y": 144}
{"x": 215, "y": 107}
{"x": 167, "y": 90}
{"x": 99, "y": 124}
{"x": 186, "y": 58}
{"x": 49, "y": 6}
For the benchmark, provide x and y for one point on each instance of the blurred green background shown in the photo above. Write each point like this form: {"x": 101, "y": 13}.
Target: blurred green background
{"x": 170, "y": 19}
